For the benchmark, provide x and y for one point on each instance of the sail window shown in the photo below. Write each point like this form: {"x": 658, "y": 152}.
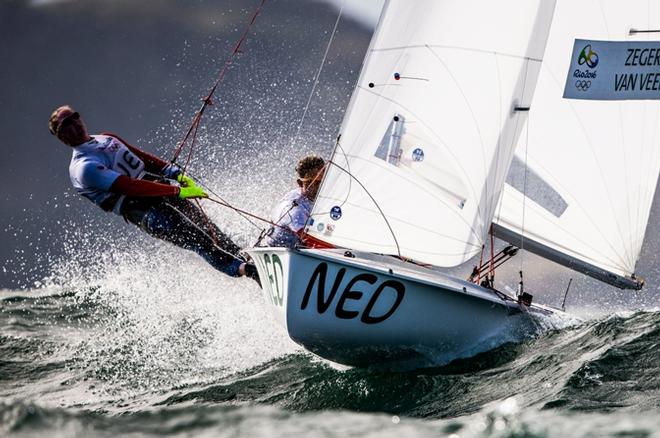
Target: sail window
{"x": 389, "y": 149}
{"x": 537, "y": 189}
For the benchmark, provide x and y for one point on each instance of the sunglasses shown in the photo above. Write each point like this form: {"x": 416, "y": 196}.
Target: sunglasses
{"x": 66, "y": 121}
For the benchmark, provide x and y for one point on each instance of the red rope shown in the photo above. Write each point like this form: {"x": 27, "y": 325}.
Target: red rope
{"x": 491, "y": 269}
{"x": 194, "y": 125}
{"x": 481, "y": 262}
{"x": 225, "y": 204}
{"x": 191, "y": 134}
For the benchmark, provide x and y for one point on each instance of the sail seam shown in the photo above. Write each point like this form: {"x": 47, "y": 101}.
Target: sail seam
{"x": 566, "y": 190}
{"x": 451, "y": 207}
{"x": 607, "y": 263}
{"x": 477, "y": 127}
{"x": 396, "y": 242}
{"x": 441, "y": 141}
{"x": 467, "y": 49}
{"x": 318, "y": 74}
{"x": 380, "y": 211}
{"x": 604, "y": 258}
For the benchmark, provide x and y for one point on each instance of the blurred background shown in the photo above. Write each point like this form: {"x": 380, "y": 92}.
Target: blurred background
{"x": 140, "y": 69}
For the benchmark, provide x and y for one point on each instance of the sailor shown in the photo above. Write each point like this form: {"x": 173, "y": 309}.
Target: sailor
{"x": 140, "y": 187}
{"x": 293, "y": 210}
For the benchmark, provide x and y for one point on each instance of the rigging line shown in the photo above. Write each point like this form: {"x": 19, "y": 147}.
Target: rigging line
{"x": 396, "y": 242}
{"x": 445, "y": 147}
{"x": 410, "y": 223}
{"x": 608, "y": 263}
{"x": 481, "y": 261}
{"x": 499, "y": 115}
{"x": 478, "y": 129}
{"x": 638, "y": 231}
{"x": 517, "y": 122}
{"x": 626, "y": 185}
{"x": 625, "y": 245}
{"x": 522, "y": 236}
{"x": 208, "y": 99}
{"x": 639, "y": 220}
{"x": 467, "y": 49}
{"x": 192, "y": 146}
{"x": 592, "y": 149}
{"x": 209, "y": 190}
{"x": 604, "y": 17}
{"x": 247, "y": 213}
{"x": 650, "y": 181}
{"x": 491, "y": 263}
{"x": 522, "y": 229}
{"x": 451, "y": 208}
{"x": 318, "y": 75}
{"x": 348, "y": 165}
{"x": 219, "y": 248}
{"x": 209, "y": 224}
{"x": 634, "y": 227}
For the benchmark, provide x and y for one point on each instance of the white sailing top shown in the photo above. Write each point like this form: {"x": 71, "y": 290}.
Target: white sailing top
{"x": 96, "y": 164}
{"x": 291, "y": 215}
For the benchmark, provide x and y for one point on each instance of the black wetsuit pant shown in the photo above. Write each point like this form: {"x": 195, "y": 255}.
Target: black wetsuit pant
{"x": 182, "y": 223}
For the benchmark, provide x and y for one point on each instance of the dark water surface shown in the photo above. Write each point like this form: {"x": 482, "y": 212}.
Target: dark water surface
{"x": 106, "y": 332}
{"x": 93, "y": 361}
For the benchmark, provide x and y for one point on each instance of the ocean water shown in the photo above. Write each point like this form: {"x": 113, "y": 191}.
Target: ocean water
{"x": 158, "y": 344}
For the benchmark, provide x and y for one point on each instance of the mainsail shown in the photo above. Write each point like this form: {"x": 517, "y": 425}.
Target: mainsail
{"x": 592, "y": 165}
{"x": 432, "y": 126}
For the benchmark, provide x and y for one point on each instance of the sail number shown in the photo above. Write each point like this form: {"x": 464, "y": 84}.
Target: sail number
{"x": 350, "y": 292}
{"x": 275, "y": 278}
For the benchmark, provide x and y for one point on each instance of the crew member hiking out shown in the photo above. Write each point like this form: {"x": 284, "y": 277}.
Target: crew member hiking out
{"x": 140, "y": 187}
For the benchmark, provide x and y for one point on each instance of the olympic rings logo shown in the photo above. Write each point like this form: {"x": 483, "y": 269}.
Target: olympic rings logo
{"x": 582, "y": 85}
{"x": 588, "y": 56}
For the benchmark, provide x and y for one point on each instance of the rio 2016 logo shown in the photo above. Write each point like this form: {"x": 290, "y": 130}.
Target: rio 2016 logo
{"x": 588, "y": 56}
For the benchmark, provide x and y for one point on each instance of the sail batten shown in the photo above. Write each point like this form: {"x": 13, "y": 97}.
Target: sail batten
{"x": 469, "y": 49}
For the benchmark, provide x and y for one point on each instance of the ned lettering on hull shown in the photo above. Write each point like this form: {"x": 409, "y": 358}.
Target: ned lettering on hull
{"x": 353, "y": 295}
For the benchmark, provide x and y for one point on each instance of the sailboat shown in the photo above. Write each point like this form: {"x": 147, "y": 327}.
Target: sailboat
{"x": 473, "y": 119}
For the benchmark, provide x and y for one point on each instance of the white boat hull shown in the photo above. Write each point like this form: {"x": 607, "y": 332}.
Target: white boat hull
{"x": 364, "y": 309}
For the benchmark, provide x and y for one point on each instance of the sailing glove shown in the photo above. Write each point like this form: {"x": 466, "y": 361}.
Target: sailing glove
{"x": 185, "y": 180}
{"x": 192, "y": 192}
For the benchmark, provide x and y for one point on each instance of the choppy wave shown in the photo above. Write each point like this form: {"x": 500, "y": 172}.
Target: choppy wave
{"x": 109, "y": 360}
{"x": 503, "y": 420}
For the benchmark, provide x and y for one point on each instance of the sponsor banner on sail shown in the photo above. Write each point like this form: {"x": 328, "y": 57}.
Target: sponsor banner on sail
{"x": 614, "y": 70}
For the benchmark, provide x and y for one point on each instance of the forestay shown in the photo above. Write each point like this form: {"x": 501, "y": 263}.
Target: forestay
{"x": 593, "y": 164}
{"x": 431, "y": 128}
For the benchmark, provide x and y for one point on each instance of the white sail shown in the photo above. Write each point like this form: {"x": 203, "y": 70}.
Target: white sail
{"x": 432, "y": 126}
{"x": 593, "y": 165}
